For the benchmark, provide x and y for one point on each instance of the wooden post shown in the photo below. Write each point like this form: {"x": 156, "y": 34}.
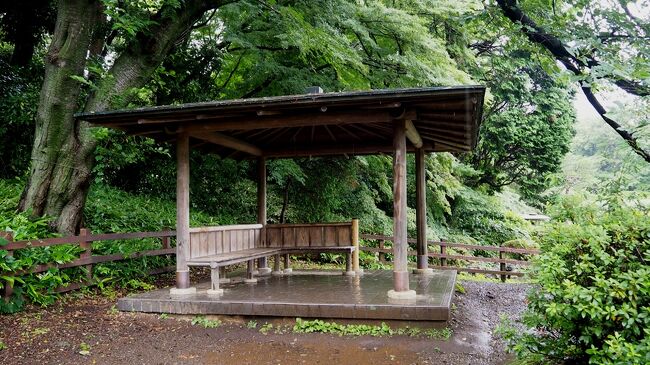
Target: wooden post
{"x": 502, "y": 266}
{"x": 9, "y": 287}
{"x": 87, "y": 254}
{"x": 276, "y": 265}
{"x": 182, "y": 215}
{"x": 355, "y": 243}
{"x": 382, "y": 255}
{"x": 214, "y": 280}
{"x": 400, "y": 240}
{"x": 250, "y": 277}
{"x": 421, "y": 212}
{"x": 443, "y": 251}
{"x": 165, "y": 241}
{"x": 287, "y": 263}
{"x": 262, "y": 262}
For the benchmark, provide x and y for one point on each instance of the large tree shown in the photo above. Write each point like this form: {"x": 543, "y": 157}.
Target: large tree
{"x": 130, "y": 44}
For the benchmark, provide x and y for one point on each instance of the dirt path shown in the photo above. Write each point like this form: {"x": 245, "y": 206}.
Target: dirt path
{"x": 57, "y": 334}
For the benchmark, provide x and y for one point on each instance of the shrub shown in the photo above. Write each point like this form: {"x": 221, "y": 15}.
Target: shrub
{"x": 593, "y": 301}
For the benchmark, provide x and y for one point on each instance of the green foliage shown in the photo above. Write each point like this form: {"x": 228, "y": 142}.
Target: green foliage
{"x": 527, "y": 126}
{"x": 593, "y": 303}
{"x": 19, "y": 92}
{"x": 251, "y": 324}
{"x": 84, "y": 349}
{"x": 205, "y": 323}
{"x": 107, "y": 210}
{"x": 320, "y": 326}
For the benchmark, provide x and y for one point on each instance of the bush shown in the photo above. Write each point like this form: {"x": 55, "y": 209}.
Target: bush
{"x": 593, "y": 301}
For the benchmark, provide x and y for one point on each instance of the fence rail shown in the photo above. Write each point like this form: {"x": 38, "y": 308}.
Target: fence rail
{"x": 503, "y": 271}
{"x": 86, "y": 258}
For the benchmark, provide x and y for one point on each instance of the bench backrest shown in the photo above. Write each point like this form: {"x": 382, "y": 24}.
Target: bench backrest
{"x": 308, "y": 235}
{"x": 223, "y": 239}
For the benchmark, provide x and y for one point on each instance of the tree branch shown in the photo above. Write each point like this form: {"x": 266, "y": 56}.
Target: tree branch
{"x": 538, "y": 35}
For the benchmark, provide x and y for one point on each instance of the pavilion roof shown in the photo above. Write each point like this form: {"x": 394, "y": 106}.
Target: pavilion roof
{"x": 342, "y": 123}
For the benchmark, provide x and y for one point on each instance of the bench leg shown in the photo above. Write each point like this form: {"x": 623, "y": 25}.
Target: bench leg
{"x": 263, "y": 266}
{"x": 222, "y": 275}
{"x": 250, "y": 278}
{"x": 276, "y": 266}
{"x": 287, "y": 269}
{"x": 214, "y": 278}
{"x": 348, "y": 265}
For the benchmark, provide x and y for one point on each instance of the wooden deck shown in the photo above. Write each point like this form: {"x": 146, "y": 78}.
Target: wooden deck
{"x": 310, "y": 294}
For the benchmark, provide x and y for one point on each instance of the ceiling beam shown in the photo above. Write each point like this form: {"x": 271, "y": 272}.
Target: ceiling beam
{"x": 412, "y": 134}
{"x": 292, "y": 121}
{"x": 360, "y": 149}
{"x": 228, "y": 141}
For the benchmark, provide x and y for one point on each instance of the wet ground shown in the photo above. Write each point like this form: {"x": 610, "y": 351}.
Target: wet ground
{"x": 59, "y": 334}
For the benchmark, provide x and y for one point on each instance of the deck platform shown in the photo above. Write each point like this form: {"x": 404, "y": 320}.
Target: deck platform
{"x": 310, "y": 294}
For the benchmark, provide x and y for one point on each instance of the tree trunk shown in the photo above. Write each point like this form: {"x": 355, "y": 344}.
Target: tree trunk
{"x": 285, "y": 202}
{"x": 60, "y": 167}
{"x": 62, "y": 156}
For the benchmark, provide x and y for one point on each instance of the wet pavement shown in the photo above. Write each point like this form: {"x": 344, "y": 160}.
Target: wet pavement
{"x": 315, "y": 294}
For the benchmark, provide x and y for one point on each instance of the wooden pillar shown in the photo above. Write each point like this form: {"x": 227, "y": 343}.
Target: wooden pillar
{"x": 182, "y": 215}
{"x": 400, "y": 243}
{"x": 421, "y": 212}
{"x": 262, "y": 262}
{"x": 355, "y": 243}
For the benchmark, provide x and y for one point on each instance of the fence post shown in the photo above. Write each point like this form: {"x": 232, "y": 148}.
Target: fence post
{"x": 502, "y": 266}
{"x": 443, "y": 251}
{"x": 9, "y": 288}
{"x": 382, "y": 255}
{"x": 165, "y": 240}
{"x": 87, "y": 254}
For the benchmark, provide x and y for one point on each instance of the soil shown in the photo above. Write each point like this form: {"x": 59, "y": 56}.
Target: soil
{"x": 57, "y": 335}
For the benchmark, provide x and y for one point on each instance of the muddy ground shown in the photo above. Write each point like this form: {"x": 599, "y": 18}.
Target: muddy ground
{"x": 90, "y": 325}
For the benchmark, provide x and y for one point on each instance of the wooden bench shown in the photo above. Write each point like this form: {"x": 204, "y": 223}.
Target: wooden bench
{"x": 221, "y": 246}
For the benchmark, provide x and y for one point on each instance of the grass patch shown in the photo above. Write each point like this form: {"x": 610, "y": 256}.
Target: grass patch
{"x": 205, "y": 323}
{"x": 320, "y": 326}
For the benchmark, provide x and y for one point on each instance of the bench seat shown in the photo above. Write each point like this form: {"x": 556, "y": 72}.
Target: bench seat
{"x": 229, "y": 258}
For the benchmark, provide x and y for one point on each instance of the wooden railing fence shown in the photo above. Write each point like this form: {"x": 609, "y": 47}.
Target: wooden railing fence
{"x": 382, "y": 249}
{"x": 86, "y": 259}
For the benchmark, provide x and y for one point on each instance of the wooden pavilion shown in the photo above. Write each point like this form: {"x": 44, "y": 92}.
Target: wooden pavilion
{"x": 315, "y": 124}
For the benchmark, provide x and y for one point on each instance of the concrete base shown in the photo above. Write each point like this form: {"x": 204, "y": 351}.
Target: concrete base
{"x": 310, "y": 294}
{"x": 402, "y": 295}
{"x": 288, "y": 271}
{"x": 423, "y": 271}
{"x": 359, "y": 272}
{"x": 175, "y": 292}
{"x": 250, "y": 281}
{"x": 224, "y": 281}
{"x": 277, "y": 273}
{"x": 264, "y": 270}
{"x": 256, "y": 272}
{"x": 212, "y": 292}
{"x": 349, "y": 273}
